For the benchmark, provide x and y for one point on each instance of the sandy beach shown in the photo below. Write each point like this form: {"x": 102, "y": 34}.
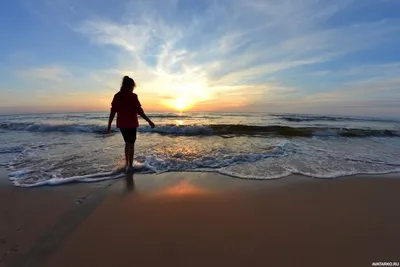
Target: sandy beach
{"x": 202, "y": 219}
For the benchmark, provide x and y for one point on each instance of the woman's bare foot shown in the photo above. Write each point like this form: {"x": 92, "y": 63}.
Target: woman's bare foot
{"x": 129, "y": 169}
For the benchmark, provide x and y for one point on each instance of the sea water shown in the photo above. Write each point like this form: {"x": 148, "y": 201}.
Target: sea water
{"x": 50, "y": 149}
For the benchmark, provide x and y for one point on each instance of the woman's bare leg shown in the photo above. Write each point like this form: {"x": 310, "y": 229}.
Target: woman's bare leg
{"x": 131, "y": 151}
{"x": 126, "y": 154}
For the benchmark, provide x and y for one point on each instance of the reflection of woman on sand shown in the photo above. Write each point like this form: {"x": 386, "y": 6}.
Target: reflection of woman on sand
{"x": 127, "y": 106}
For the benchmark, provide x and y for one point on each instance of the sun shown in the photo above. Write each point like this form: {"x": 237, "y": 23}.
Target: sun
{"x": 184, "y": 96}
{"x": 181, "y": 103}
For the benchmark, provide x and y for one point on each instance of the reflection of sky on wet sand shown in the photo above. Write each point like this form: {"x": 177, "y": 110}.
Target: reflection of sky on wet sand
{"x": 165, "y": 185}
{"x": 182, "y": 188}
{"x": 191, "y": 184}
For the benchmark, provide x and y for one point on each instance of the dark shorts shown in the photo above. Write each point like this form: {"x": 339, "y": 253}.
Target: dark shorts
{"x": 129, "y": 135}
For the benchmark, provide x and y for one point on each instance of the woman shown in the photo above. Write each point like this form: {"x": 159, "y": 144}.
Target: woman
{"x": 127, "y": 106}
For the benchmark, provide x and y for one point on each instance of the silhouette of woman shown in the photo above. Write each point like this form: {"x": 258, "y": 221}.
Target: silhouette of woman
{"x": 127, "y": 106}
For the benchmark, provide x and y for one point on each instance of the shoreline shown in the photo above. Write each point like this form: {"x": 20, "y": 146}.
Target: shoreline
{"x": 391, "y": 175}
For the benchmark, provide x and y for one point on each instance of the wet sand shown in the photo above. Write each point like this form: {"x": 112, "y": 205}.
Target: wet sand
{"x": 44, "y": 215}
{"x": 204, "y": 219}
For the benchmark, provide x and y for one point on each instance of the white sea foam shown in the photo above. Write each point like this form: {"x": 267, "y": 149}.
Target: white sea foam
{"x": 330, "y": 175}
{"x": 238, "y": 165}
{"x": 19, "y": 174}
{"x": 97, "y": 177}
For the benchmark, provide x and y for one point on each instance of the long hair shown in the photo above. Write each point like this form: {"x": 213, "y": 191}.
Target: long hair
{"x": 127, "y": 84}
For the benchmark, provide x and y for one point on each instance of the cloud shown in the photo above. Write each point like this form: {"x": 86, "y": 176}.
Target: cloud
{"x": 248, "y": 37}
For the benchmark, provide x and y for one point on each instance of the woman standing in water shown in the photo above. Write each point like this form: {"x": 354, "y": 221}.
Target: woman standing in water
{"x": 127, "y": 106}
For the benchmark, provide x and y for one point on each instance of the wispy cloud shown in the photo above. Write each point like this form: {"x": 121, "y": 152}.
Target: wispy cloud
{"x": 238, "y": 43}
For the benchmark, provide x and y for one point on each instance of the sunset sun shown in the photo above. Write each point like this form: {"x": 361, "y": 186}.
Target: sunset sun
{"x": 181, "y": 103}
{"x": 185, "y": 96}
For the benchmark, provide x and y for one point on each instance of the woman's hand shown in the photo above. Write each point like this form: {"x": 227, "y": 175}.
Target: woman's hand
{"x": 109, "y": 129}
{"x": 152, "y": 125}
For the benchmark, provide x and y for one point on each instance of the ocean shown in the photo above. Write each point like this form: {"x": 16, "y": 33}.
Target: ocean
{"x": 53, "y": 149}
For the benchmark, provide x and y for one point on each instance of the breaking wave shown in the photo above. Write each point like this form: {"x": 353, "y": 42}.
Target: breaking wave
{"x": 223, "y": 130}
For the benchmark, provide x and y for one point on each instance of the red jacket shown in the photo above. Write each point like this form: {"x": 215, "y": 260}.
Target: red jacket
{"x": 127, "y": 107}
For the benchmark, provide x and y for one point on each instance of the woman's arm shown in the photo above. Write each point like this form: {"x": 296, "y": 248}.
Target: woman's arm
{"x": 144, "y": 116}
{"x": 110, "y": 120}
{"x": 113, "y": 111}
{"x": 140, "y": 111}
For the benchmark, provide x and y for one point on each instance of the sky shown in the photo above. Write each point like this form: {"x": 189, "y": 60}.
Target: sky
{"x": 287, "y": 56}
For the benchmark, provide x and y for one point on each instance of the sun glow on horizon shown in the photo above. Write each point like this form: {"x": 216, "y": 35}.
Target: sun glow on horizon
{"x": 186, "y": 96}
{"x": 181, "y": 103}
{"x": 179, "y": 122}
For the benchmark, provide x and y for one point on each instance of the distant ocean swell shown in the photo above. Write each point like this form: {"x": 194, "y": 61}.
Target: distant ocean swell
{"x": 105, "y": 116}
{"x": 43, "y": 127}
{"x": 224, "y": 130}
{"x": 309, "y": 118}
